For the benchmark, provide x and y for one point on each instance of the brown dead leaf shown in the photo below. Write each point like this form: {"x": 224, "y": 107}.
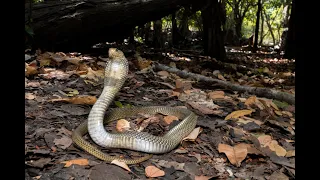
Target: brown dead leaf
{"x": 122, "y": 125}
{"x": 193, "y": 135}
{"x": 121, "y": 164}
{"x": 146, "y": 122}
{"x": 274, "y": 146}
{"x": 216, "y": 95}
{"x": 45, "y": 62}
{"x": 183, "y": 84}
{"x": 266, "y": 141}
{"x": 251, "y": 100}
{"x": 82, "y": 99}
{"x": 64, "y": 131}
{"x": 235, "y": 154}
{"x": 143, "y": 63}
{"x": 29, "y": 96}
{"x": 278, "y": 113}
{"x": 236, "y": 114}
{"x": 64, "y": 142}
{"x": 221, "y": 77}
{"x": 202, "y": 177}
{"x": 289, "y": 114}
{"x": 152, "y": 171}
{"x": 168, "y": 119}
{"x": 31, "y": 69}
{"x": 40, "y": 163}
{"x": 201, "y": 106}
{"x": 196, "y": 155}
{"x": 56, "y": 74}
{"x": 95, "y": 75}
{"x": 291, "y": 153}
{"x": 33, "y": 84}
{"x": 163, "y": 73}
{"x": 81, "y": 162}
{"x": 250, "y": 148}
{"x": 174, "y": 164}
{"x": 180, "y": 151}
{"x": 278, "y": 176}
{"x": 253, "y": 120}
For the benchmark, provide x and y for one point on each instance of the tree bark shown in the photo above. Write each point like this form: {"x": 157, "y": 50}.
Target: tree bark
{"x": 212, "y": 35}
{"x": 262, "y": 92}
{"x": 174, "y": 29}
{"x": 72, "y": 25}
{"x": 261, "y": 29}
{"x": 290, "y": 44}
{"x": 157, "y": 37}
{"x": 256, "y": 33}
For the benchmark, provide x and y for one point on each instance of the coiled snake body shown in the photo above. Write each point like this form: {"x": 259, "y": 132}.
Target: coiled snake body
{"x": 115, "y": 76}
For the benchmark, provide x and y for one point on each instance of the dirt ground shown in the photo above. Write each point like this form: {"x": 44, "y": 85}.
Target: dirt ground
{"x": 268, "y": 131}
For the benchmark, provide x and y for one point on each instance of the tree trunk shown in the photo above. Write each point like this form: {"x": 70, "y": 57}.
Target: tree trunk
{"x": 270, "y": 27}
{"x": 174, "y": 29}
{"x": 261, "y": 29}
{"x": 183, "y": 28}
{"x": 147, "y": 33}
{"x": 157, "y": 36}
{"x": 212, "y": 35}
{"x": 290, "y": 44}
{"x": 77, "y": 24}
{"x": 256, "y": 33}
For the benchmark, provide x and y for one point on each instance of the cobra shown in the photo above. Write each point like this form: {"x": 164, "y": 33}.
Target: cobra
{"x": 116, "y": 72}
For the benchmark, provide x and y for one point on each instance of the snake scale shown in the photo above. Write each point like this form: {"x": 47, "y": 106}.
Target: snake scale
{"x": 115, "y": 75}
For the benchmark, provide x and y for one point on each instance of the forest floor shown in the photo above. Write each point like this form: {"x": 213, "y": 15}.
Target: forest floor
{"x": 240, "y": 135}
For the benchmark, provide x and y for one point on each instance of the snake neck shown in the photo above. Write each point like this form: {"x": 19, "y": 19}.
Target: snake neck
{"x": 115, "y": 76}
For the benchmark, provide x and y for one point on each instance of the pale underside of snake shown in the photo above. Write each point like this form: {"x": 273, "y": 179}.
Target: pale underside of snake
{"x": 115, "y": 75}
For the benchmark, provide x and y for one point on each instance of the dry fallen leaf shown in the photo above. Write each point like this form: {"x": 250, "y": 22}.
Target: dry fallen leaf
{"x": 266, "y": 140}
{"x": 174, "y": 164}
{"x": 221, "y": 77}
{"x": 291, "y": 153}
{"x": 216, "y": 95}
{"x": 122, "y": 125}
{"x": 121, "y": 164}
{"x": 152, "y": 171}
{"x": 236, "y": 114}
{"x": 235, "y": 154}
{"x": 31, "y": 69}
{"x": 250, "y": 100}
{"x": 95, "y": 75}
{"x": 183, "y": 84}
{"x": 193, "y": 135}
{"x": 163, "y": 73}
{"x": 168, "y": 119}
{"x": 180, "y": 151}
{"x": 202, "y": 177}
{"x": 56, "y": 74}
{"x": 65, "y": 142}
{"x": 202, "y": 107}
{"x": 274, "y": 146}
{"x": 289, "y": 114}
{"x": 83, "y": 99}
{"x": 29, "y": 96}
{"x": 81, "y": 162}
{"x": 72, "y": 92}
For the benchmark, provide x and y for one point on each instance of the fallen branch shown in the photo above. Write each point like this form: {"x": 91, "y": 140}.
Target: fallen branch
{"x": 262, "y": 92}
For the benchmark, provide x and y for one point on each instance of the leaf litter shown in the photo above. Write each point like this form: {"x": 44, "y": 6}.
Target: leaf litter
{"x": 48, "y": 144}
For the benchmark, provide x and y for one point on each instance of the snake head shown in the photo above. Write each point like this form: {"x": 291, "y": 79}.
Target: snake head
{"x": 115, "y": 53}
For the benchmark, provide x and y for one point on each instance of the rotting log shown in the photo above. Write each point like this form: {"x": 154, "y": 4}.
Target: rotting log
{"x": 73, "y": 25}
{"x": 259, "y": 91}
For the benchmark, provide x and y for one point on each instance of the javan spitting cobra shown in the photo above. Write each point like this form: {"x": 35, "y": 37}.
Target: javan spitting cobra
{"x": 115, "y": 75}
